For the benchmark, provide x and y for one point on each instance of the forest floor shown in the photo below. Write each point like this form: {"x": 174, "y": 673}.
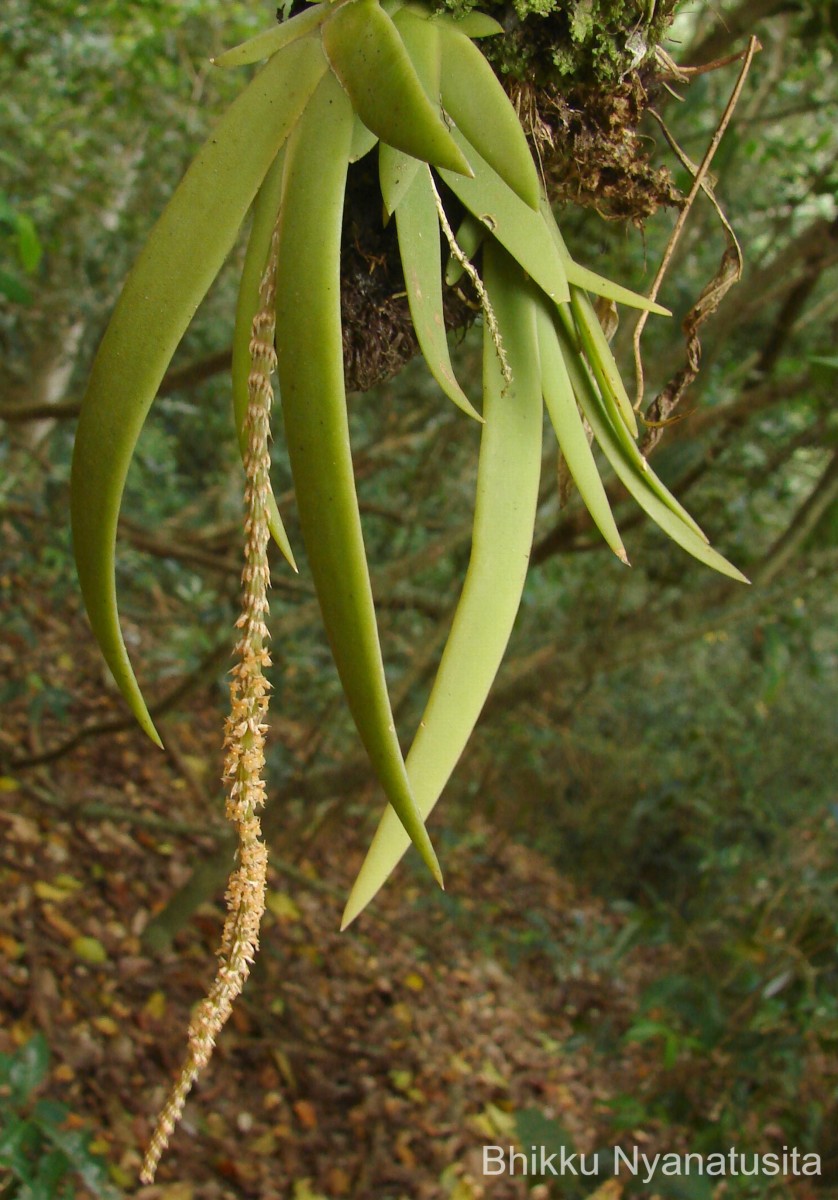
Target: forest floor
{"x": 375, "y": 1063}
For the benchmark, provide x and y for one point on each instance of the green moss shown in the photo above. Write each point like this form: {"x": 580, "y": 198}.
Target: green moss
{"x": 582, "y": 21}
{"x": 575, "y": 68}
{"x": 588, "y": 41}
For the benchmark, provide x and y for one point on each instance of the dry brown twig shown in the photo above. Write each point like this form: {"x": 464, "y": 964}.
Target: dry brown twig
{"x": 730, "y": 269}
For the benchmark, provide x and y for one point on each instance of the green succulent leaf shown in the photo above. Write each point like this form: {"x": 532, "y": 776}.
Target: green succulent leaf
{"x": 517, "y": 227}
{"x": 641, "y": 483}
{"x": 629, "y": 448}
{"x": 599, "y": 355}
{"x": 419, "y": 244}
{"x": 363, "y": 140}
{"x": 181, "y": 258}
{"x": 396, "y": 172}
{"x": 270, "y": 41}
{"x": 473, "y": 97}
{"x": 421, "y": 40}
{"x": 561, "y": 405}
{"x": 310, "y": 367}
{"x": 369, "y": 58}
{"x": 507, "y": 494}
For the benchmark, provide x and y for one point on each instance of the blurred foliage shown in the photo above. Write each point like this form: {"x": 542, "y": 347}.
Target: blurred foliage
{"x": 668, "y": 739}
{"x": 22, "y": 246}
{"x": 42, "y": 1153}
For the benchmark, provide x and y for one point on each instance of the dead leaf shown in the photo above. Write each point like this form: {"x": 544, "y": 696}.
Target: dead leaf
{"x": 89, "y": 950}
{"x": 282, "y": 906}
{"x": 612, "y": 1189}
{"x": 63, "y": 927}
{"x": 305, "y": 1113}
{"x": 302, "y": 1191}
{"x": 10, "y": 949}
{"x": 155, "y": 1006}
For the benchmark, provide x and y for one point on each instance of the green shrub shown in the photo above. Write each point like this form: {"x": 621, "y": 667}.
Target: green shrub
{"x": 40, "y": 1157}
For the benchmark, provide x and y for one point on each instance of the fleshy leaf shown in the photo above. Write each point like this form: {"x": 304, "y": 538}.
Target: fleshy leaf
{"x": 182, "y": 256}
{"x": 521, "y": 230}
{"x": 419, "y": 245}
{"x": 473, "y": 97}
{"x": 369, "y": 58}
{"x": 271, "y": 41}
{"x": 311, "y": 382}
{"x": 507, "y": 494}
{"x": 560, "y": 402}
{"x": 637, "y": 482}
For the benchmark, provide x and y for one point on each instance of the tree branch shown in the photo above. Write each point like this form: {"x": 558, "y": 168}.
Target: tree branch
{"x": 178, "y": 379}
{"x": 800, "y": 527}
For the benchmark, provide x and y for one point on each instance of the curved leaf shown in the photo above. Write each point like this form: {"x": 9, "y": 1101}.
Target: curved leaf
{"x": 270, "y": 41}
{"x": 181, "y": 257}
{"x": 310, "y": 365}
{"x": 522, "y": 231}
{"x": 474, "y": 98}
{"x": 560, "y": 402}
{"x": 644, "y": 486}
{"x": 369, "y": 58}
{"x": 418, "y": 228}
{"x": 363, "y": 140}
{"x": 396, "y": 172}
{"x": 504, "y": 516}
